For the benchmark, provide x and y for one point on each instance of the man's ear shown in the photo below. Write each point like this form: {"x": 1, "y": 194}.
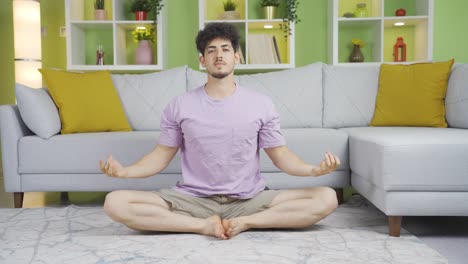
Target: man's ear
{"x": 237, "y": 57}
{"x": 202, "y": 60}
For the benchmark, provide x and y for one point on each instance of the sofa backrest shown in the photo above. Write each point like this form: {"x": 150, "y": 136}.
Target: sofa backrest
{"x": 349, "y": 93}
{"x": 296, "y": 93}
{"x": 315, "y": 95}
{"x": 144, "y": 96}
{"x": 456, "y": 99}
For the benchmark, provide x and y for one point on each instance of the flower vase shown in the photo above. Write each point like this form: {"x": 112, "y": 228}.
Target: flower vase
{"x": 144, "y": 53}
{"x": 356, "y": 55}
{"x": 100, "y": 14}
{"x": 269, "y": 12}
{"x": 140, "y": 15}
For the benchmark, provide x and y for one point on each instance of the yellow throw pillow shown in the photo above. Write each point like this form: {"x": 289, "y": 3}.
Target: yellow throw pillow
{"x": 412, "y": 95}
{"x": 87, "y": 102}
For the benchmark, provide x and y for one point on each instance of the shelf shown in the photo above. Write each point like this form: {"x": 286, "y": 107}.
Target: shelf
{"x": 85, "y": 35}
{"x": 378, "y": 30}
{"x": 251, "y": 24}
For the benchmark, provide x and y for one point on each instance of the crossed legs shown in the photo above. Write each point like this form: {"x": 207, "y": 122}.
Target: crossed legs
{"x": 147, "y": 211}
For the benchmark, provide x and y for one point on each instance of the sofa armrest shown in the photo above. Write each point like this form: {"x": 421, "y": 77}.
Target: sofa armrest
{"x": 12, "y": 128}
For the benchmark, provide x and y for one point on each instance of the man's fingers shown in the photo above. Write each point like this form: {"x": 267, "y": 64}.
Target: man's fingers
{"x": 101, "y": 166}
{"x": 335, "y": 161}
{"x": 327, "y": 158}
{"x": 108, "y": 163}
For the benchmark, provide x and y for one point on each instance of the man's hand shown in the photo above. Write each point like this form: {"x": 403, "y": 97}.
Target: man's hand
{"x": 113, "y": 168}
{"x": 329, "y": 164}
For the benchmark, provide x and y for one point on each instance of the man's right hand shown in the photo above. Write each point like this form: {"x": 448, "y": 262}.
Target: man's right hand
{"x": 113, "y": 168}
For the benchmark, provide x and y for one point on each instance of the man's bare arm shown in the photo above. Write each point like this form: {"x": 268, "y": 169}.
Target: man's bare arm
{"x": 287, "y": 161}
{"x": 153, "y": 163}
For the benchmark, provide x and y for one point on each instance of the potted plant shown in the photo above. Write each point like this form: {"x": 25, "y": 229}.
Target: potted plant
{"x": 291, "y": 16}
{"x": 230, "y": 10}
{"x": 142, "y": 7}
{"x": 144, "y": 52}
{"x": 99, "y": 12}
{"x": 356, "y": 54}
{"x": 269, "y": 8}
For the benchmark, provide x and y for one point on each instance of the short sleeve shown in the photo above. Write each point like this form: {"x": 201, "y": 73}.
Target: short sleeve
{"x": 171, "y": 133}
{"x": 269, "y": 135}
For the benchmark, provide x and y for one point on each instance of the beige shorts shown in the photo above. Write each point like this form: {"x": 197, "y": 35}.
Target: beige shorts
{"x": 222, "y": 205}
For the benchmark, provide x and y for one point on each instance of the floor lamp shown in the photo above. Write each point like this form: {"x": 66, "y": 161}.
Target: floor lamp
{"x": 27, "y": 36}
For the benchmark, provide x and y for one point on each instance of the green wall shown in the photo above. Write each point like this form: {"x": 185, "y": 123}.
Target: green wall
{"x": 450, "y": 38}
{"x": 450, "y": 27}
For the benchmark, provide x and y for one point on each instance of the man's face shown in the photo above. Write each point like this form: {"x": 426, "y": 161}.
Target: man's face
{"x": 219, "y": 58}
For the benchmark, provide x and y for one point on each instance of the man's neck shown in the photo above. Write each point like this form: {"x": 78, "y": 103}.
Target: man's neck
{"x": 220, "y": 88}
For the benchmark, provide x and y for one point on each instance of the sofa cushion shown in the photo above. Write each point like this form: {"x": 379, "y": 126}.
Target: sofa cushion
{"x": 410, "y": 158}
{"x": 144, "y": 96}
{"x": 456, "y": 100}
{"x": 349, "y": 94}
{"x": 196, "y": 79}
{"x": 87, "y": 102}
{"x": 80, "y": 153}
{"x": 296, "y": 93}
{"x": 412, "y": 95}
{"x": 38, "y": 110}
{"x": 310, "y": 144}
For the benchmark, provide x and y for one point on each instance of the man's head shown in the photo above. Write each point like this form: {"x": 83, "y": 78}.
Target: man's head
{"x": 217, "y": 30}
{"x": 218, "y": 44}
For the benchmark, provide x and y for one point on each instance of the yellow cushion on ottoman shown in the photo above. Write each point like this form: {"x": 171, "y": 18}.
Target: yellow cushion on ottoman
{"x": 412, "y": 95}
{"x": 87, "y": 102}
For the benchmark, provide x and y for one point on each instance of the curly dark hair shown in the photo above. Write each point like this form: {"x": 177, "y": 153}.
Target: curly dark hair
{"x": 217, "y": 30}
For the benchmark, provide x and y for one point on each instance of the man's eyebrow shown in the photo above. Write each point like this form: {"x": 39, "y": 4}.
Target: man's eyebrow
{"x": 222, "y": 46}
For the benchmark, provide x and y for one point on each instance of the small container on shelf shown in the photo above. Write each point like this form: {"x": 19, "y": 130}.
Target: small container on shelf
{"x": 361, "y": 10}
{"x": 100, "y": 56}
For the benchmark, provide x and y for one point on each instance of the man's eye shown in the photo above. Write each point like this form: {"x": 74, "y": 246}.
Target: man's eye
{"x": 210, "y": 51}
{"x": 225, "y": 50}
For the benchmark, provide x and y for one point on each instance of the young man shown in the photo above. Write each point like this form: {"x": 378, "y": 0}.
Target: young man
{"x": 219, "y": 129}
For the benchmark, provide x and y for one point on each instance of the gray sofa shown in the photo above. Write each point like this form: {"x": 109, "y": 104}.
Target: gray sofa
{"x": 402, "y": 170}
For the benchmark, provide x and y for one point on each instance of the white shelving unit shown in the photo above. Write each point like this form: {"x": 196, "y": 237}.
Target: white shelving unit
{"x": 250, "y": 22}
{"x": 379, "y": 31}
{"x": 84, "y": 35}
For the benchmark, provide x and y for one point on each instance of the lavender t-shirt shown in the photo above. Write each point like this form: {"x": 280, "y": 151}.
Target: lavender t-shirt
{"x": 220, "y": 140}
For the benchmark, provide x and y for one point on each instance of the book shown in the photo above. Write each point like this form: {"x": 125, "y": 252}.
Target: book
{"x": 276, "y": 50}
{"x": 241, "y": 55}
{"x": 261, "y": 49}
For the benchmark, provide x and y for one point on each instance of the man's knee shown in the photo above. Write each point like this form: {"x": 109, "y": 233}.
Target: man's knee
{"x": 328, "y": 200}
{"x": 115, "y": 206}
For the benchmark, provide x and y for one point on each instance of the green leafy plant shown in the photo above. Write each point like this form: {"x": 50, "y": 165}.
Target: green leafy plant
{"x": 143, "y": 33}
{"x": 98, "y": 4}
{"x": 140, "y": 5}
{"x": 264, "y": 3}
{"x": 230, "y": 5}
{"x": 291, "y": 17}
{"x": 147, "y": 6}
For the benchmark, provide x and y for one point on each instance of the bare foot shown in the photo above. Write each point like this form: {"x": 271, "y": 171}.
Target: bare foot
{"x": 234, "y": 226}
{"x": 214, "y": 227}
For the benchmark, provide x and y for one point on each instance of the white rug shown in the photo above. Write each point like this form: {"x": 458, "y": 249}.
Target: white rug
{"x": 355, "y": 233}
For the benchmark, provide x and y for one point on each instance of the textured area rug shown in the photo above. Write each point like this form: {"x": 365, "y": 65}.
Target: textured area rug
{"x": 355, "y": 233}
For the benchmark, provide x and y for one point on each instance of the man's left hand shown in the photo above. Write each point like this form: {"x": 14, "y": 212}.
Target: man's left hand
{"x": 329, "y": 164}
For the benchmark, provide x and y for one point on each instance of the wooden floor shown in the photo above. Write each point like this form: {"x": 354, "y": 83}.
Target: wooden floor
{"x": 41, "y": 199}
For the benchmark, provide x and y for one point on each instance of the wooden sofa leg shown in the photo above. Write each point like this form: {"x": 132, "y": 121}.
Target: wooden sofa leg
{"x": 339, "y": 195}
{"x": 394, "y": 225}
{"x": 18, "y": 198}
{"x": 64, "y": 199}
